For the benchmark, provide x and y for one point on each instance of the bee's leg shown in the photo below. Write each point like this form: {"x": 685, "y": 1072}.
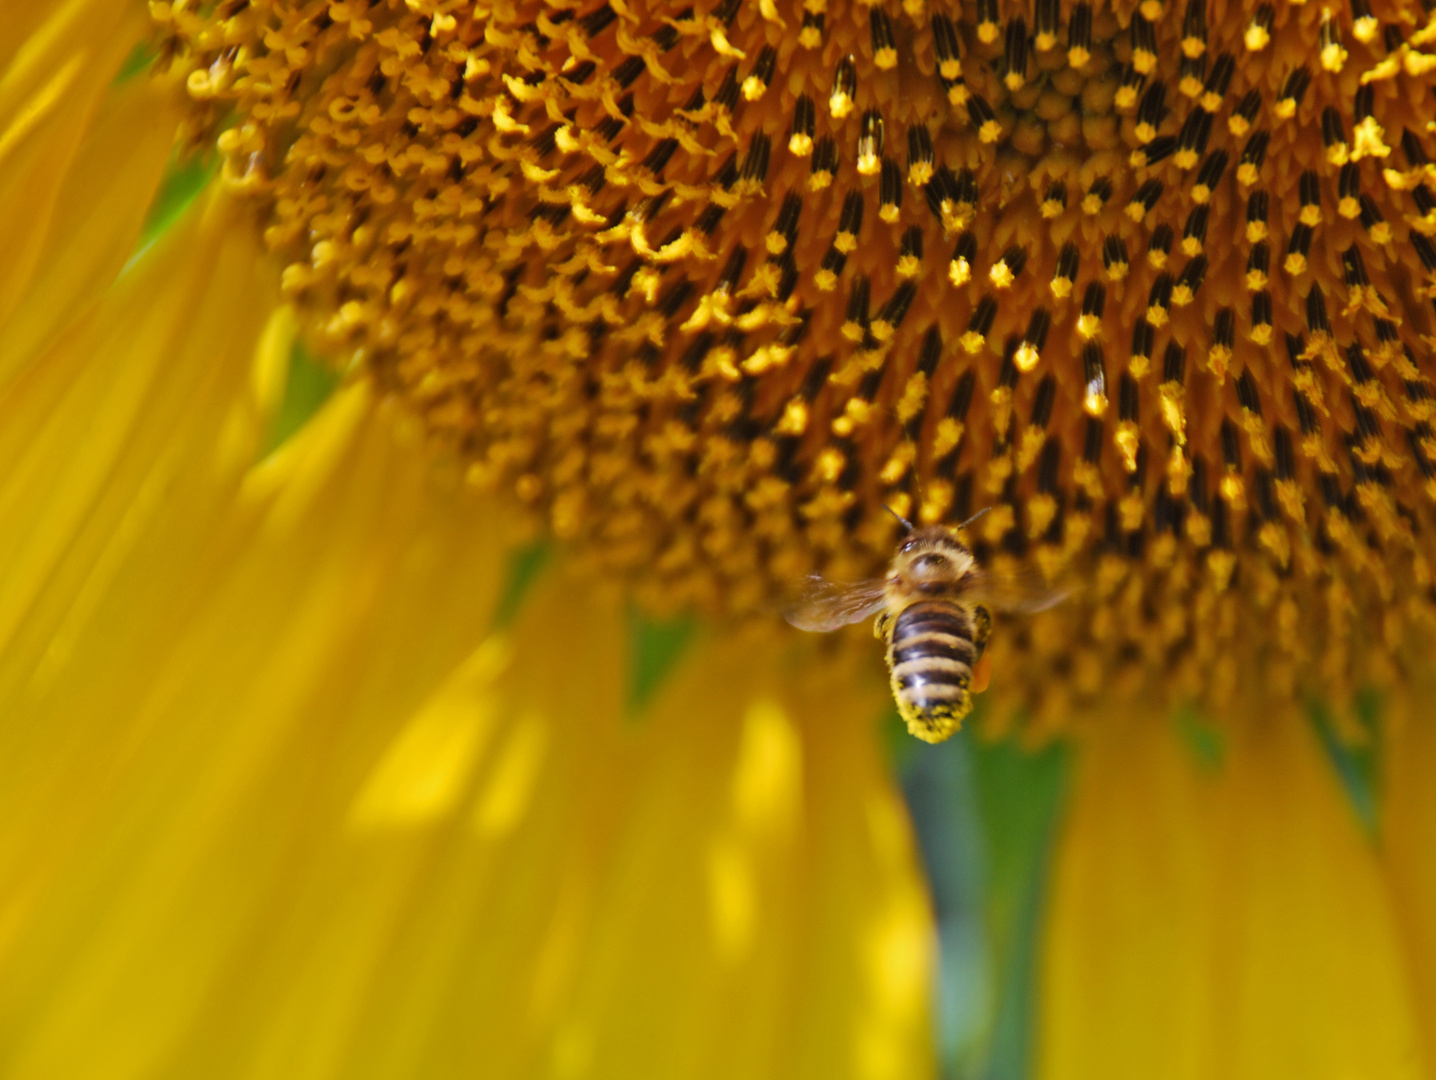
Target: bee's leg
{"x": 880, "y": 625}
{"x": 981, "y": 628}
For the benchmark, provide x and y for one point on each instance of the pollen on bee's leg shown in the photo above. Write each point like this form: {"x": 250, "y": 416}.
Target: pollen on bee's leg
{"x": 937, "y": 723}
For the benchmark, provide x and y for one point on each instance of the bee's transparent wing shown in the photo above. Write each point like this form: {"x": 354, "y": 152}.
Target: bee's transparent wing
{"x": 826, "y": 605}
{"x": 1022, "y": 591}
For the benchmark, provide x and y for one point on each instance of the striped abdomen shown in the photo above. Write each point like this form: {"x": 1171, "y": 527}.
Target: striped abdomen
{"x": 932, "y": 646}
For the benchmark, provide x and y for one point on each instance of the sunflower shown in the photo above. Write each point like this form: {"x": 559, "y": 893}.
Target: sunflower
{"x": 412, "y": 415}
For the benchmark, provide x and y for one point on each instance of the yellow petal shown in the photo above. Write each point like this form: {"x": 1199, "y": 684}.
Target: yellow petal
{"x": 1408, "y": 827}
{"x": 1228, "y": 921}
{"x": 751, "y": 905}
{"x": 50, "y": 90}
{"x": 30, "y": 32}
{"x": 137, "y": 412}
{"x": 98, "y": 208}
{"x": 160, "y": 785}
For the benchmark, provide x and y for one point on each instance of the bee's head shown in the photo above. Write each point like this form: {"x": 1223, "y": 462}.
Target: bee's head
{"x": 933, "y": 552}
{"x": 931, "y": 564}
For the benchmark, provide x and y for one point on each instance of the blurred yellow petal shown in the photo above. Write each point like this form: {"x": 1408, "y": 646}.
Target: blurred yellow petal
{"x": 32, "y": 35}
{"x": 1223, "y": 920}
{"x": 173, "y": 758}
{"x": 140, "y": 410}
{"x": 332, "y": 823}
{"x": 50, "y": 90}
{"x": 1409, "y": 840}
{"x": 99, "y": 206}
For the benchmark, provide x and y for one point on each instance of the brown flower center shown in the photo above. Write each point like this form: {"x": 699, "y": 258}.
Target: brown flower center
{"x": 711, "y": 286}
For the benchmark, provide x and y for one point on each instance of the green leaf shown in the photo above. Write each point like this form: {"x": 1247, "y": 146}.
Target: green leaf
{"x": 985, "y": 817}
{"x": 1019, "y": 796}
{"x": 941, "y": 793}
{"x": 654, "y": 647}
{"x": 185, "y": 177}
{"x": 137, "y": 62}
{"x": 1354, "y": 755}
{"x": 1205, "y": 742}
{"x": 307, "y": 387}
{"x": 525, "y": 565}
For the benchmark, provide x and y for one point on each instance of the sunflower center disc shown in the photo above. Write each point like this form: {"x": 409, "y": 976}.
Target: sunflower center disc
{"x": 709, "y": 287}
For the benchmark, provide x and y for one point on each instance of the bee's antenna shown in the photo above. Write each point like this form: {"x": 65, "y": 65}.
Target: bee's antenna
{"x": 906, "y": 524}
{"x": 974, "y": 517}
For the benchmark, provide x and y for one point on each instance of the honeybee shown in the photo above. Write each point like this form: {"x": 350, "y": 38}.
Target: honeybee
{"x": 934, "y": 607}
